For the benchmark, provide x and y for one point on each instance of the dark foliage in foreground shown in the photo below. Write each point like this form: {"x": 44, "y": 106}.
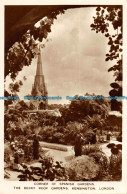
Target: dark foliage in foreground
{"x": 48, "y": 171}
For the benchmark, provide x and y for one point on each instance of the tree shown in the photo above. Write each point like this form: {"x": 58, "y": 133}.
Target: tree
{"x": 81, "y": 108}
{"x": 21, "y": 105}
{"x": 108, "y": 17}
{"x": 31, "y": 106}
{"x": 26, "y": 48}
{"x": 35, "y": 147}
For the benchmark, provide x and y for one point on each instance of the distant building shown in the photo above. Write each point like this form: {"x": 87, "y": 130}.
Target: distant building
{"x": 39, "y": 87}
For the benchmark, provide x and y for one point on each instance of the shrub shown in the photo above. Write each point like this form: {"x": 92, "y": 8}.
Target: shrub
{"x": 35, "y": 147}
{"x": 119, "y": 138}
{"x": 114, "y": 150}
{"x": 115, "y": 147}
{"x": 87, "y": 149}
{"x": 47, "y": 132}
{"x": 83, "y": 168}
{"x": 116, "y": 166}
{"x": 89, "y": 134}
{"x": 119, "y": 146}
{"x": 7, "y": 153}
{"x": 103, "y": 162}
{"x": 71, "y": 130}
{"x": 49, "y": 170}
{"x": 58, "y": 137}
{"x": 52, "y": 134}
{"x": 6, "y": 175}
{"x": 22, "y": 147}
{"x": 110, "y": 145}
{"x": 100, "y": 158}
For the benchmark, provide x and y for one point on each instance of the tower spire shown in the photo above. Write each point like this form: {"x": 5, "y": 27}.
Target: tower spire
{"x": 39, "y": 87}
{"x": 39, "y": 64}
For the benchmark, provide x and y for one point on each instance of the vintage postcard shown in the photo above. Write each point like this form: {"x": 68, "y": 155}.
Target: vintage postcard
{"x": 63, "y": 96}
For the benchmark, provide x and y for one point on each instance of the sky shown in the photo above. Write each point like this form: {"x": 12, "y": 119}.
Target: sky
{"x": 73, "y": 59}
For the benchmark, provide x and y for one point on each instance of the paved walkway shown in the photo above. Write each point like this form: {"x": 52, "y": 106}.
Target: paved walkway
{"x": 61, "y": 155}
{"x": 59, "y": 152}
{"x": 13, "y": 175}
{"x": 69, "y": 155}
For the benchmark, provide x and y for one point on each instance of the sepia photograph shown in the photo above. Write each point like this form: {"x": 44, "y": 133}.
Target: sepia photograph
{"x": 63, "y": 92}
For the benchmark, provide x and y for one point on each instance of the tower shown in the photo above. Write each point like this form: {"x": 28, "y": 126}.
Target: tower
{"x": 39, "y": 87}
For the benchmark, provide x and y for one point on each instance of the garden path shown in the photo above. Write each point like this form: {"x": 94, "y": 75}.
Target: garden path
{"x": 61, "y": 156}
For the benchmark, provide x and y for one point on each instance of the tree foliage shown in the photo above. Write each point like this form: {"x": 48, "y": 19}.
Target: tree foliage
{"x": 49, "y": 170}
{"x": 26, "y": 48}
{"x": 108, "y": 21}
{"x": 80, "y": 108}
